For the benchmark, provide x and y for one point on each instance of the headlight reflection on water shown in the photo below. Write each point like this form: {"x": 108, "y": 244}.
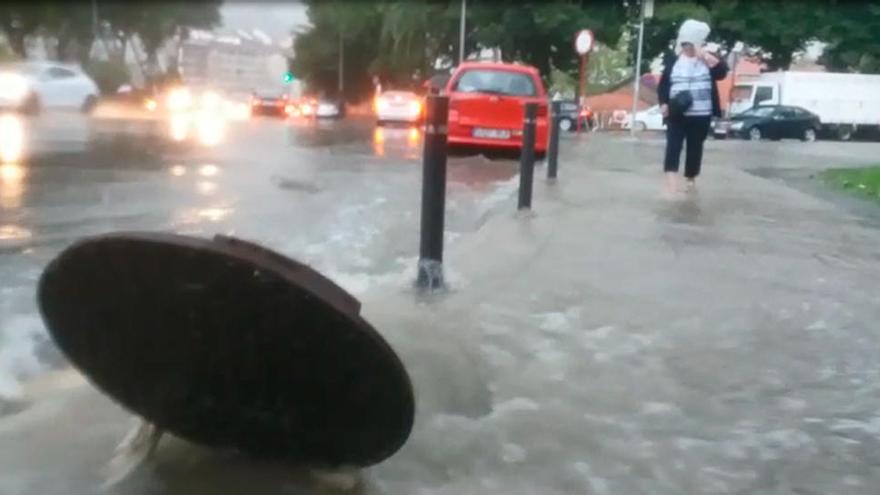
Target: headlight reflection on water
{"x": 12, "y": 172}
{"x": 211, "y": 129}
{"x": 178, "y": 127}
{"x": 11, "y": 138}
{"x": 208, "y": 128}
{"x": 209, "y": 170}
{"x": 12, "y": 185}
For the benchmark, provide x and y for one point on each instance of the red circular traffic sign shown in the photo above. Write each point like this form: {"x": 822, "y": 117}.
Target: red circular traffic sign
{"x": 583, "y": 41}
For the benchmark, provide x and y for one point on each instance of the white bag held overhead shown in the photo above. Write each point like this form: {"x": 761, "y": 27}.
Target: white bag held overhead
{"x": 694, "y": 32}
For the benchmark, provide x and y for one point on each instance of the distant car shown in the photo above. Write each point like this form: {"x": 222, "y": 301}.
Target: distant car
{"x": 772, "y": 122}
{"x": 570, "y": 112}
{"x": 329, "y": 108}
{"x": 487, "y": 101}
{"x": 32, "y": 86}
{"x": 398, "y": 106}
{"x": 718, "y": 128}
{"x": 646, "y": 120}
{"x": 273, "y": 105}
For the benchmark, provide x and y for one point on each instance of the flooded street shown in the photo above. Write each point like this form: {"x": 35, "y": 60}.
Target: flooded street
{"x": 341, "y": 196}
{"x": 611, "y": 341}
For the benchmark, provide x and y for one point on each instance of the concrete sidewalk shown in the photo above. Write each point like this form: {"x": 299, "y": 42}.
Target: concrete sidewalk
{"x": 610, "y": 342}
{"x": 722, "y": 343}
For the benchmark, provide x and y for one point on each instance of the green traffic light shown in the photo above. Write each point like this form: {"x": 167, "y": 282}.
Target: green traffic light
{"x": 288, "y": 77}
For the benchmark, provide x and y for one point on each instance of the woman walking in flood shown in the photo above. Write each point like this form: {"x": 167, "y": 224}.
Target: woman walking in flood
{"x": 688, "y": 96}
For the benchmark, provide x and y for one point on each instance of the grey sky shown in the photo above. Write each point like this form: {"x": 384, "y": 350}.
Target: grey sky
{"x": 276, "y": 19}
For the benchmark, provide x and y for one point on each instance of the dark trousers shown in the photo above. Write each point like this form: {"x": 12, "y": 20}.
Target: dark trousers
{"x": 692, "y": 129}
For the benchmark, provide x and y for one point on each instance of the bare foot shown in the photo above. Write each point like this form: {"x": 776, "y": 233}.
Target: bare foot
{"x": 343, "y": 479}
{"x": 690, "y": 185}
{"x": 136, "y": 449}
{"x": 671, "y": 182}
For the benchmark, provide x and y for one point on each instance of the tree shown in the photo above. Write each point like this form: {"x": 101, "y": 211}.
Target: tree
{"x": 662, "y": 29}
{"x": 400, "y": 39}
{"x": 413, "y": 35}
{"x": 852, "y": 33}
{"x": 18, "y": 20}
{"x": 317, "y": 50}
{"x": 73, "y": 29}
{"x": 541, "y": 33}
{"x": 156, "y": 22}
{"x": 775, "y": 29}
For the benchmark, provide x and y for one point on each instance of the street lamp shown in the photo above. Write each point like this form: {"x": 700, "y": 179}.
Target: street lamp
{"x": 647, "y": 11}
{"x": 341, "y": 67}
{"x": 461, "y": 31}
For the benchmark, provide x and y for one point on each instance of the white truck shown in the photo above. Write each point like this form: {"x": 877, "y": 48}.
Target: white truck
{"x": 845, "y": 103}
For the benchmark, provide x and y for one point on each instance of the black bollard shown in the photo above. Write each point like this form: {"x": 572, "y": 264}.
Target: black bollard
{"x": 553, "y": 146}
{"x": 527, "y": 157}
{"x": 433, "y": 194}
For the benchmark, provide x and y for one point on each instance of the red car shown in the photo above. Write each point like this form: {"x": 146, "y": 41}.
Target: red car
{"x": 486, "y": 102}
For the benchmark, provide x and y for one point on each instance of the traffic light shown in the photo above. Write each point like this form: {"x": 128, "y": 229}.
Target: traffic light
{"x": 288, "y": 77}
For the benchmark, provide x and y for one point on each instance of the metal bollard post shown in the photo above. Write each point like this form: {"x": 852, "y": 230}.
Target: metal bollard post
{"x": 433, "y": 194}
{"x": 527, "y": 157}
{"x": 553, "y": 146}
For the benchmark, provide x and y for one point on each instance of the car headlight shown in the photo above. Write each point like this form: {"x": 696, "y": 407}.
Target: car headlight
{"x": 211, "y": 100}
{"x": 415, "y": 108}
{"x": 179, "y": 99}
{"x": 13, "y": 86}
{"x": 736, "y": 126}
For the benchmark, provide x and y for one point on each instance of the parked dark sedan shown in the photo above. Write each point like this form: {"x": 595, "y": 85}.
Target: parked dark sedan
{"x": 570, "y": 111}
{"x": 772, "y": 122}
{"x": 272, "y": 105}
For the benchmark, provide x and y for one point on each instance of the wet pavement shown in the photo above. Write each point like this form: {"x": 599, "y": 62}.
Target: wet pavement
{"x": 341, "y": 196}
{"x": 722, "y": 342}
{"x": 611, "y": 341}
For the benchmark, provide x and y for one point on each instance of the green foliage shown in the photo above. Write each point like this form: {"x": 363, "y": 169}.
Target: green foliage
{"x": 108, "y": 75}
{"x": 861, "y": 182}
{"x": 402, "y": 38}
{"x": 354, "y": 25}
{"x": 412, "y": 34}
{"x": 72, "y": 23}
{"x": 775, "y": 29}
{"x": 852, "y": 34}
{"x": 6, "y": 54}
{"x": 562, "y": 82}
{"x": 662, "y": 29}
{"x": 772, "y": 30}
{"x": 541, "y": 33}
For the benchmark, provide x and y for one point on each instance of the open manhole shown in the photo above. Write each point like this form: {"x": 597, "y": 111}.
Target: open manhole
{"x": 227, "y": 344}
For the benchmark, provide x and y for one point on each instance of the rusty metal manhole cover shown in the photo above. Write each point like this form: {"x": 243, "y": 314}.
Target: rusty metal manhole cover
{"x": 228, "y": 344}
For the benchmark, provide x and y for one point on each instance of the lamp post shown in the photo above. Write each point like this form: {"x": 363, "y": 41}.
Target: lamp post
{"x": 462, "y": 27}
{"x": 341, "y": 66}
{"x": 647, "y": 12}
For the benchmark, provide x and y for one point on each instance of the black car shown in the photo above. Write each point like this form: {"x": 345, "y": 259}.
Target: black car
{"x": 329, "y": 107}
{"x": 773, "y": 122}
{"x": 569, "y": 112}
{"x": 271, "y": 105}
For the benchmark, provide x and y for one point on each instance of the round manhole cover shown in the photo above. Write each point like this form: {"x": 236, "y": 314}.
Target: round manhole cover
{"x": 227, "y": 344}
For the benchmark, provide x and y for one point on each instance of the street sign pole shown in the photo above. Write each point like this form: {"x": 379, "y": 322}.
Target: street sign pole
{"x": 582, "y": 94}
{"x": 583, "y": 44}
{"x": 647, "y": 11}
{"x": 461, "y": 34}
{"x": 341, "y": 66}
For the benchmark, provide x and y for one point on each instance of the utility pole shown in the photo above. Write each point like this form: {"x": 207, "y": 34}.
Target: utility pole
{"x": 341, "y": 68}
{"x": 462, "y": 31}
{"x": 95, "y": 18}
{"x": 647, "y": 11}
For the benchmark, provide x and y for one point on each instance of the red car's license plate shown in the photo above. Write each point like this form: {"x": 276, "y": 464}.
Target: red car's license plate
{"x": 480, "y": 132}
